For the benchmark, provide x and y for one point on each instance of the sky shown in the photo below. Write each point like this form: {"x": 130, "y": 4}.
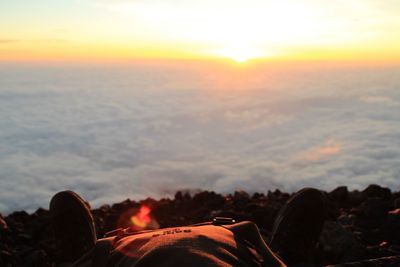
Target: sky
{"x": 150, "y": 125}
{"x": 238, "y": 30}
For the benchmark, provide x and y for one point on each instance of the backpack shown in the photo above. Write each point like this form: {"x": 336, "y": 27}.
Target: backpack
{"x": 222, "y": 242}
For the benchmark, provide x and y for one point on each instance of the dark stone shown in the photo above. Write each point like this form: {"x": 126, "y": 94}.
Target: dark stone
{"x": 36, "y": 258}
{"x": 397, "y": 203}
{"x": 277, "y": 195}
{"x": 122, "y": 206}
{"x": 376, "y": 207}
{"x": 346, "y": 219}
{"x": 377, "y": 191}
{"x": 210, "y": 199}
{"x": 392, "y": 228}
{"x": 332, "y": 207}
{"x": 241, "y": 195}
{"x": 8, "y": 258}
{"x": 340, "y": 194}
{"x": 179, "y": 196}
{"x": 355, "y": 198}
{"x": 258, "y": 196}
{"x": 340, "y": 243}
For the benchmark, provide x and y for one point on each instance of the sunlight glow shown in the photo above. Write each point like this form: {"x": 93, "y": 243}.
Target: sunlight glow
{"x": 240, "y": 30}
{"x": 240, "y": 53}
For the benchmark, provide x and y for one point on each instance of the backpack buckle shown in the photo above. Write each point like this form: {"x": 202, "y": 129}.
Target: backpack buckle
{"x": 223, "y": 221}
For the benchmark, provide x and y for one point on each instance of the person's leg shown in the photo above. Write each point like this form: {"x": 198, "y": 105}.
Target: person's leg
{"x": 298, "y": 225}
{"x": 73, "y": 226}
{"x": 249, "y": 231}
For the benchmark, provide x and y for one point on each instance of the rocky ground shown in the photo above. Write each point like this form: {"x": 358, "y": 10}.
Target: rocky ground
{"x": 360, "y": 224}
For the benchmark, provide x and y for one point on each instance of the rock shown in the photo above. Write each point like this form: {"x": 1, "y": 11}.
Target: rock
{"x": 36, "y": 258}
{"x": 7, "y": 258}
{"x": 377, "y": 192}
{"x": 210, "y": 199}
{"x": 375, "y": 207}
{"x": 24, "y": 237}
{"x": 340, "y": 243}
{"x": 340, "y": 195}
{"x": 123, "y": 206}
{"x": 241, "y": 195}
{"x": 179, "y": 196}
{"x": 277, "y": 195}
{"x": 355, "y": 198}
{"x": 346, "y": 219}
{"x": 392, "y": 227}
{"x": 392, "y": 261}
{"x": 332, "y": 207}
{"x": 397, "y": 203}
{"x": 258, "y": 196}
{"x": 182, "y": 196}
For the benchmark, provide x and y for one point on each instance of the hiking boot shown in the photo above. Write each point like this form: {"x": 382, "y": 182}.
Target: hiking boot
{"x": 73, "y": 226}
{"x": 298, "y": 225}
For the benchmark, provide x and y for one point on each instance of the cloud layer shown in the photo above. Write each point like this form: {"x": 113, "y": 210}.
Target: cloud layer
{"x": 135, "y": 131}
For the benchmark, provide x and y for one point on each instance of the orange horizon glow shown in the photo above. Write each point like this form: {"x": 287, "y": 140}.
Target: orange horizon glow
{"x": 120, "y": 54}
{"x": 93, "y": 54}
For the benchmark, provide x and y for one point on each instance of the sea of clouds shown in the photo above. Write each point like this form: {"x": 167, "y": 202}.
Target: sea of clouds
{"x": 139, "y": 130}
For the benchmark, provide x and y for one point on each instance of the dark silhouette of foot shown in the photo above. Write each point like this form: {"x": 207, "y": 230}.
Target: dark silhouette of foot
{"x": 298, "y": 225}
{"x": 73, "y": 225}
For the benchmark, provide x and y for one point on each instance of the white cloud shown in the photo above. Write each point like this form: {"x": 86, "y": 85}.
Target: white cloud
{"x": 135, "y": 131}
{"x": 377, "y": 99}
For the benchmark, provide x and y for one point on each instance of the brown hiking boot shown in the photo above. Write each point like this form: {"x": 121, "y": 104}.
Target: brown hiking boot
{"x": 73, "y": 225}
{"x": 298, "y": 225}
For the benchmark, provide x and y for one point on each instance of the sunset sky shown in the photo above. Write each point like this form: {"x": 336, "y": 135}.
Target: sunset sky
{"x": 238, "y": 30}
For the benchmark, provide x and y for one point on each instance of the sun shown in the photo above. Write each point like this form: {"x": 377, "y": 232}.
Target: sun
{"x": 240, "y": 54}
